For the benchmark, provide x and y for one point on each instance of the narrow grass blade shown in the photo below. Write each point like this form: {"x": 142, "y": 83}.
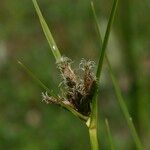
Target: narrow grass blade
{"x": 92, "y": 122}
{"x": 104, "y": 45}
{"x": 96, "y": 24}
{"x": 35, "y": 78}
{"x": 124, "y": 109}
{"x": 112, "y": 147}
{"x": 51, "y": 93}
{"x": 47, "y": 33}
{"x": 106, "y": 37}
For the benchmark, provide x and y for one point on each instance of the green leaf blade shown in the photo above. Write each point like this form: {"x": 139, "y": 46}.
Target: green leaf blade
{"x": 104, "y": 45}
{"x": 93, "y": 120}
{"x": 97, "y": 24}
{"x": 106, "y": 37}
{"x": 47, "y": 33}
{"x": 38, "y": 81}
{"x": 112, "y": 147}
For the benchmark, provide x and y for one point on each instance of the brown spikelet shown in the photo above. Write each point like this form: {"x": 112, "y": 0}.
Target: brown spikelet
{"x": 67, "y": 73}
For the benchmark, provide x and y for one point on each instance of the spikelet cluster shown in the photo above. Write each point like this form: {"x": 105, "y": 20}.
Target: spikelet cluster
{"x": 77, "y": 87}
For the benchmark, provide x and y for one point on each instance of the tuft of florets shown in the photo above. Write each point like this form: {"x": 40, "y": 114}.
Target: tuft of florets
{"x": 68, "y": 75}
{"x": 77, "y": 89}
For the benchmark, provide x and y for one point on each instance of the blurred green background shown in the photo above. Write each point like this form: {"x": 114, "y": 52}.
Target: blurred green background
{"x": 28, "y": 124}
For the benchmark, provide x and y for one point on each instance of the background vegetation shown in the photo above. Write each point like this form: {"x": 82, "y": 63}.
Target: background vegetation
{"x": 27, "y": 123}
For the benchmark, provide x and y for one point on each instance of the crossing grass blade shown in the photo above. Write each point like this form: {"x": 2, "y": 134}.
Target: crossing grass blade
{"x": 124, "y": 108}
{"x": 47, "y": 33}
{"x": 112, "y": 147}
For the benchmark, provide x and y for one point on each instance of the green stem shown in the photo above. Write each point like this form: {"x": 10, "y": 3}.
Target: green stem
{"x": 92, "y": 122}
{"x": 93, "y": 138}
{"x": 92, "y": 126}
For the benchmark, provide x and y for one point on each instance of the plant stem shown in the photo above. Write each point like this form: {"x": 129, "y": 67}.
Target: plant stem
{"x": 92, "y": 126}
{"x": 92, "y": 122}
{"x": 93, "y": 138}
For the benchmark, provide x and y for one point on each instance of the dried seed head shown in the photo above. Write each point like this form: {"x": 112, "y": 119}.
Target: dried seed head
{"x": 84, "y": 64}
{"x": 81, "y": 94}
{"x": 68, "y": 75}
{"x": 77, "y": 91}
{"x": 88, "y": 75}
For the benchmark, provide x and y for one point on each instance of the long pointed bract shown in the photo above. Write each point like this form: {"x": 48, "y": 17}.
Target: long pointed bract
{"x": 47, "y": 33}
{"x": 35, "y": 78}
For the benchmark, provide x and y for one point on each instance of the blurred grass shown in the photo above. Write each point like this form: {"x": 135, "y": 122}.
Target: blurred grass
{"x": 110, "y": 139}
{"x": 25, "y": 122}
{"x": 124, "y": 109}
